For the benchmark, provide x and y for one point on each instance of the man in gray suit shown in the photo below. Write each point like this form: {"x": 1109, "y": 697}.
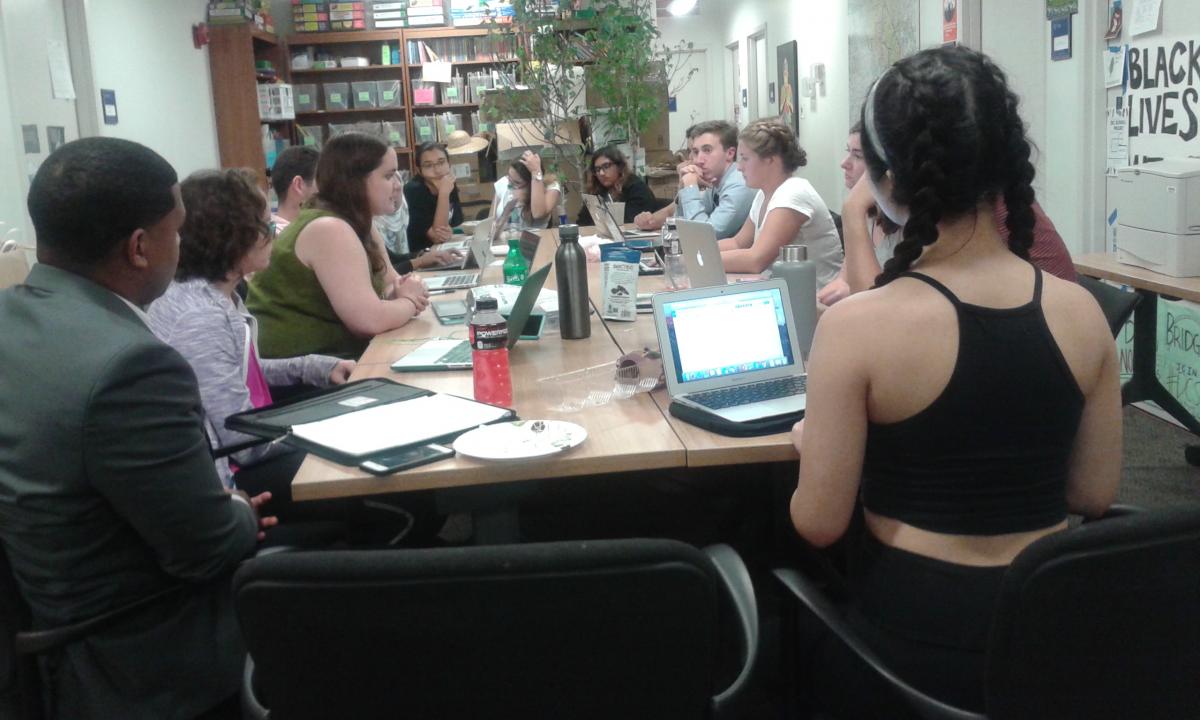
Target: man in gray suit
{"x": 108, "y": 493}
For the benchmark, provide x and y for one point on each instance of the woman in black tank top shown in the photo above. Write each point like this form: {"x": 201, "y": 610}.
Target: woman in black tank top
{"x": 967, "y": 402}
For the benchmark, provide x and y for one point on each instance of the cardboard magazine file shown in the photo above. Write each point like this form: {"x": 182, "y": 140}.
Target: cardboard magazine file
{"x": 365, "y": 419}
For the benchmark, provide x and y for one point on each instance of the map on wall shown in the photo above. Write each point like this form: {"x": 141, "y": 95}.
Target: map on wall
{"x": 881, "y": 32}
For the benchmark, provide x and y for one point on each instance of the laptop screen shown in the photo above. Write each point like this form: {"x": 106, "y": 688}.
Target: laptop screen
{"x": 729, "y": 334}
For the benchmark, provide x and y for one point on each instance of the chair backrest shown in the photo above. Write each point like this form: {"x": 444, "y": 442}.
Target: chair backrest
{"x": 1101, "y": 621}
{"x": 1116, "y": 303}
{"x": 14, "y": 265}
{"x": 608, "y": 629}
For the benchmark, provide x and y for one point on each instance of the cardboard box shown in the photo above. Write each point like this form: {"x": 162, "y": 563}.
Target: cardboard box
{"x": 476, "y": 192}
{"x": 527, "y": 133}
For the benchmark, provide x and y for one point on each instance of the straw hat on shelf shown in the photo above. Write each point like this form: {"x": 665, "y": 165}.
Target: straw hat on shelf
{"x": 460, "y": 142}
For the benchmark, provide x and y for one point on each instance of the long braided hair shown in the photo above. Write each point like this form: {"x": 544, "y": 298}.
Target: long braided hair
{"x": 946, "y": 125}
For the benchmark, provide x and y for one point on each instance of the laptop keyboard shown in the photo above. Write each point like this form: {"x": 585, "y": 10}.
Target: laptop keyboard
{"x": 458, "y": 280}
{"x": 751, "y": 393}
{"x": 460, "y": 353}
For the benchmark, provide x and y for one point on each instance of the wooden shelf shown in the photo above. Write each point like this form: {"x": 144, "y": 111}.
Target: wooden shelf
{"x": 469, "y": 62}
{"x": 343, "y": 37}
{"x": 351, "y": 111}
{"x": 340, "y": 70}
{"x": 441, "y": 32}
{"x": 264, "y": 37}
{"x": 445, "y": 107}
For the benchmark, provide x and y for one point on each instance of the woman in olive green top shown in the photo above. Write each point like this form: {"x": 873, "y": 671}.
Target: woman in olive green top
{"x": 329, "y": 288}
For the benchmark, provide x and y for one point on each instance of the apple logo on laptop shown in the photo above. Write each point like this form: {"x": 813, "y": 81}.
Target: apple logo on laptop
{"x": 699, "y": 258}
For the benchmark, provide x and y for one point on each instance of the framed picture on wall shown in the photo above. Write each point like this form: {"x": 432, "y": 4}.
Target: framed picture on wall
{"x": 789, "y": 85}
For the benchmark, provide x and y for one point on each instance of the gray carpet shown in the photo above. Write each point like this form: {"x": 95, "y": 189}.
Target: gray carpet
{"x": 1154, "y": 472}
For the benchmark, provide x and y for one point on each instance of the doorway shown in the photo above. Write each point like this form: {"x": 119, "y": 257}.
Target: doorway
{"x": 757, "y": 75}
{"x": 733, "y": 64}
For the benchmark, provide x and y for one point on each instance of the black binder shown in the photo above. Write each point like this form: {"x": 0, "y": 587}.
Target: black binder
{"x": 275, "y": 422}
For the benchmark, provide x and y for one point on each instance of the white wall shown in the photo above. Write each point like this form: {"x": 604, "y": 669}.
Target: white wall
{"x": 143, "y": 50}
{"x": 12, "y": 192}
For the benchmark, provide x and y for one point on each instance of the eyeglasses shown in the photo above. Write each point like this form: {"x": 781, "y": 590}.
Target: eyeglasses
{"x": 269, "y": 230}
{"x": 440, "y": 162}
{"x": 603, "y": 167}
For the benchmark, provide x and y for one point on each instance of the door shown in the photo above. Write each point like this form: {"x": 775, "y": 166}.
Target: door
{"x": 758, "y": 76}
{"x": 733, "y": 63}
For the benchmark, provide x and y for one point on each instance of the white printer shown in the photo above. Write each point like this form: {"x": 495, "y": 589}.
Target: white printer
{"x": 1158, "y": 216}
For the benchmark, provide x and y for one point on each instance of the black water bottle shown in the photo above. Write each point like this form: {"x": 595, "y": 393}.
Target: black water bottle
{"x": 570, "y": 268}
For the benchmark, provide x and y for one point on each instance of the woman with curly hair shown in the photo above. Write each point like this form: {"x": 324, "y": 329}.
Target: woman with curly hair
{"x": 227, "y": 235}
{"x": 610, "y": 177}
{"x": 969, "y": 401}
{"x": 787, "y": 210}
{"x": 330, "y": 288}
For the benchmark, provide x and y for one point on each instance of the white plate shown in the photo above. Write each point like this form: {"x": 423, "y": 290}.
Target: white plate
{"x": 518, "y": 439}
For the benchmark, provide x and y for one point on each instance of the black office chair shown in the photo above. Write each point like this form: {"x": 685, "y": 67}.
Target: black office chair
{"x": 1116, "y": 303}
{"x": 1099, "y": 621}
{"x": 837, "y": 224}
{"x": 604, "y": 629}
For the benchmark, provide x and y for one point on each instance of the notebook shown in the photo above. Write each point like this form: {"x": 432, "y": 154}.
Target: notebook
{"x": 701, "y": 253}
{"x": 732, "y": 350}
{"x": 456, "y": 354}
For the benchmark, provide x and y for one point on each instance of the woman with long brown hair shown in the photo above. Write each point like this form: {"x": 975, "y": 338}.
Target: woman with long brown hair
{"x": 330, "y": 288}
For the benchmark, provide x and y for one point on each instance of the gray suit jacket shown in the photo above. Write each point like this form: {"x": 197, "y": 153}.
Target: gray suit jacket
{"x": 108, "y": 493}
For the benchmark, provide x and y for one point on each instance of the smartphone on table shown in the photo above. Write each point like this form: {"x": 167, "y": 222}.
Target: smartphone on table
{"x": 403, "y": 459}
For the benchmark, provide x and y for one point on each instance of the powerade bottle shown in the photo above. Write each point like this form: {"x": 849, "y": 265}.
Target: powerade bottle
{"x": 676, "y": 271}
{"x": 489, "y": 354}
{"x": 515, "y": 267}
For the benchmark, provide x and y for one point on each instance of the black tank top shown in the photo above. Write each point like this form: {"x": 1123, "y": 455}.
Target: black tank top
{"x": 990, "y": 455}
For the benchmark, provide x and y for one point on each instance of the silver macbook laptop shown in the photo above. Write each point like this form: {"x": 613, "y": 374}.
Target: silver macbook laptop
{"x": 701, "y": 253}
{"x": 478, "y": 254}
{"x": 732, "y": 349}
{"x": 483, "y": 230}
{"x": 607, "y": 216}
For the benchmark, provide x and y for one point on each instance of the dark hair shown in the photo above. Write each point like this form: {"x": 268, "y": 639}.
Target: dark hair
{"x": 224, "y": 222}
{"x": 856, "y": 128}
{"x": 428, "y": 147}
{"x": 527, "y": 177}
{"x": 613, "y": 154}
{"x": 297, "y": 161}
{"x": 949, "y": 127}
{"x": 342, "y": 172}
{"x": 92, "y": 194}
{"x": 723, "y": 130}
{"x": 772, "y": 138}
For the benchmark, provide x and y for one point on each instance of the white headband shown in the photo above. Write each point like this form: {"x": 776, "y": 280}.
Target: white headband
{"x": 869, "y": 120}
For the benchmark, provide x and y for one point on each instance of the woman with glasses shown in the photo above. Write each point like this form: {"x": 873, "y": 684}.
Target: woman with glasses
{"x": 226, "y": 236}
{"x": 525, "y": 198}
{"x": 433, "y": 205}
{"x": 330, "y": 288}
{"x": 611, "y": 179}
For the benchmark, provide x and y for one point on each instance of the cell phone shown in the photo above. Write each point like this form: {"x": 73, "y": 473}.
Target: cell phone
{"x": 398, "y": 460}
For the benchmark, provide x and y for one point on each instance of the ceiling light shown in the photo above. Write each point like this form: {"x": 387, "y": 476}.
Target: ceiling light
{"x": 681, "y": 7}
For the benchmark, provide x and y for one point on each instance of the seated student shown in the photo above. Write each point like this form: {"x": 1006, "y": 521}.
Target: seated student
{"x": 786, "y": 210}
{"x": 294, "y": 181}
{"x": 525, "y": 198}
{"x": 611, "y": 178}
{"x": 883, "y": 232}
{"x": 108, "y": 494}
{"x": 986, "y": 407}
{"x": 226, "y": 236}
{"x": 1048, "y": 252}
{"x": 432, "y": 197}
{"x": 711, "y": 188}
{"x": 392, "y": 228}
{"x": 329, "y": 288}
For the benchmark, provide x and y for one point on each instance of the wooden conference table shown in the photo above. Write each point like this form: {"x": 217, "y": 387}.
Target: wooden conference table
{"x": 1143, "y": 383}
{"x": 631, "y": 434}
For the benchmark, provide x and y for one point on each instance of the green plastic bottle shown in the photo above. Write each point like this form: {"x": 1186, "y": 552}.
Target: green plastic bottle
{"x": 515, "y": 267}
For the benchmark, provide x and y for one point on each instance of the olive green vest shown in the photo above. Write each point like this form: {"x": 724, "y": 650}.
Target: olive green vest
{"x": 294, "y": 315}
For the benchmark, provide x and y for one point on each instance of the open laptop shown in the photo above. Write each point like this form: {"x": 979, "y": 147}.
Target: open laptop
{"x": 456, "y": 354}
{"x": 701, "y": 253}
{"x": 732, "y": 350}
{"x": 607, "y": 216}
{"x": 478, "y": 255}
{"x": 483, "y": 229}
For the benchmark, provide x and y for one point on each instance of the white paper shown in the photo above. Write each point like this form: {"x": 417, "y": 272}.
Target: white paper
{"x": 399, "y": 423}
{"x": 1117, "y": 123}
{"x": 61, "y": 84}
{"x": 436, "y": 72}
{"x": 1114, "y": 66}
{"x": 1145, "y": 17}
{"x": 1062, "y": 42}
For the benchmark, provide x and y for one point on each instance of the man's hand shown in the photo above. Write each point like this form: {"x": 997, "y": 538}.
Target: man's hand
{"x": 647, "y": 221}
{"x": 256, "y": 503}
{"x": 436, "y": 257}
{"x": 836, "y": 290}
{"x": 690, "y": 179}
{"x": 341, "y": 372}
